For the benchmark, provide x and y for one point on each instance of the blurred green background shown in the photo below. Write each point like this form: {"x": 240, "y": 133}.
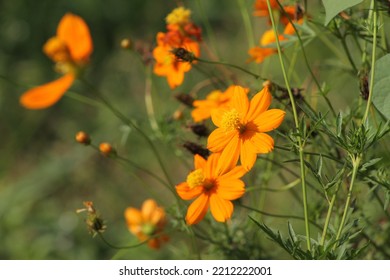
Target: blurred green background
{"x": 45, "y": 175}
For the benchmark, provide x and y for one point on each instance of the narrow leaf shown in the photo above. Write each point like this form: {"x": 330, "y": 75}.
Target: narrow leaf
{"x": 381, "y": 90}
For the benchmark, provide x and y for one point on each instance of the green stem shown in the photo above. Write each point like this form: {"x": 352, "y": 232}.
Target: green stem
{"x": 149, "y": 101}
{"x": 209, "y": 29}
{"x": 296, "y": 121}
{"x": 247, "y": 23}
{"x": 128, "y": 122}
{"x": 229, "y": 65}
{"x": 346, "y": 49}
{"x": 373, "y": 59}
{"x": 355, "y": 163}
{"x": 328, "y": 215}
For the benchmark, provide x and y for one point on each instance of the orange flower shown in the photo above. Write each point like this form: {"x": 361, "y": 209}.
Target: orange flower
{"x": 148, "y": 221}
{"x": 70, "y": 49}
{"x": 214, "y": 185}
{"x": 261, "y": 10}
{"x": 216, "y": 99}
{"x": 241, "y": 128}
{"x": 258, "y": 54}
{"x": 166, "y": 63}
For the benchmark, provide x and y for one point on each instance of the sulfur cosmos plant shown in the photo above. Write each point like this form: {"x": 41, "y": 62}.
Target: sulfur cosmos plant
{"x": 212, "y": 187}
{"x": 70, "y": 49}
{"x": 242, "y": 128}
{"x": 147, "y": 223}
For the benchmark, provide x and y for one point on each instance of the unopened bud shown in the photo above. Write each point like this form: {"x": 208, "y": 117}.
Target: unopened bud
{"x": 177, "y": 115}
{"x": 199, "y": 129}
{"x": 196, "y": 149}
{"x": 106, "y": 149}
{"x": 126, "y": 44}
{"x": 83, "y": 138}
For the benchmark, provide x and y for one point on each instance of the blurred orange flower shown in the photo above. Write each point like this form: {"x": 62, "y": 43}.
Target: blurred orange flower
{"x": 214, "y": 184}
{"x": 166, "y": 63}
{"x": 70, "y": 49}
{"x": 214, "y": 100}
{"x": 147, "y": 222}
{"x": 181, "y": 33}
{"x": 241, "y": 128}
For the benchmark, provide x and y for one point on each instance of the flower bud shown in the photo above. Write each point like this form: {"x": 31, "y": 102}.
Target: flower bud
{"x": 83, "y": 138}
{"x": 106, "y": 149}
{"x": 126, "y": 44}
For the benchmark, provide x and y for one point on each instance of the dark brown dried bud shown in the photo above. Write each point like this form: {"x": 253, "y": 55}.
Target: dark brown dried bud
{"x": 199, "y": 129}
{"x": 196, "y": 149}
{"x": 185, "y": 99}
{"x": 182, "y": 54}
{"x": 95, "y": 223}
{"x": 363, "y": 85}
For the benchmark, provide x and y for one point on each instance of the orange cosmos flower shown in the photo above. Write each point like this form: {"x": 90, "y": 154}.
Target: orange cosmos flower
{"x": 212, "y": 187}
{"x": 241, "y": 128}
{"x": 70, "y": 49}
{"x": 166, "y": 63}
{"x": 148, "y": 221}
{"x": 214, "y": 100}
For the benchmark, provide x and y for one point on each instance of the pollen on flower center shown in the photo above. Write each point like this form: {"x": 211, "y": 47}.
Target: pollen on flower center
{"x": 231, "y": 120}
{"x": 195, "y": 178}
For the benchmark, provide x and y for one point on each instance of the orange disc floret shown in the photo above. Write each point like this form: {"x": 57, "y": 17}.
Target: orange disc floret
{"x": 147, "y": 223}
{"x": 213, "y": 184}
{"x": 70, "y": 49}
{"x": 242, "y": 128}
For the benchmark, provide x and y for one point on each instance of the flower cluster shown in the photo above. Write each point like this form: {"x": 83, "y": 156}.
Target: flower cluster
{"x": 240, "y": 134}
{"x": 181, "y": 33}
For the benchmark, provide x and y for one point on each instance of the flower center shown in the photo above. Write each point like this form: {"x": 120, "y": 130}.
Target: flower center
{"x": 195, "y": 178}
{"x": 57, "y": 50}
{"x": 148, "y": 229}
{"x": 231, "y": 121}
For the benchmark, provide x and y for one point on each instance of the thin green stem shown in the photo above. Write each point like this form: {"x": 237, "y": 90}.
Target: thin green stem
{"x": 278, "y": 215}
{"x": 373, "y": 59}
{"x": 229, "y": 65}
{"x": 247, "y": 23}
{"x": 328, "y": 215}
{"x": 209, "y": 29}
{"x": 296, "y": 122}
{"x": 149, "y": 101}
{"x": 355, "y": 163}
{"x": 129, "y": 246}
{"x": 128, "y": 122}
{"x": 346, "y": 49}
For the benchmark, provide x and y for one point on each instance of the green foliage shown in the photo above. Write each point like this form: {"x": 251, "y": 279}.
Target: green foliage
{"x": 381, "y": 89}
{"x": 334, "y": 7}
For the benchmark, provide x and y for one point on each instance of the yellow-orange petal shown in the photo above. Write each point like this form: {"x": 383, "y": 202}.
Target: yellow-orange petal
{"x": 147, "y": 209}
{"x": 235, "y": 173}
{"x": 220, "y": 208}
{"x": 263, "y": 143}
{"x": 248, "y": 154}
{"x": 48, "y": 94}
{"x": 73, "y": 30}
{"x": 158, "y": 217}
{"x": 240, "y": 101}
{"x": 230, "y": 189}
{"x": 269, "y": 120}
{"x": 198, "y": 209}
{"x": 212, "y": 164}
{"x": 259, "y": 104}
{"x": 187, "y": 193}
{"x": 229, "y": 155}
{"x": 217, "y": 115}
{"x": 199, "y": 162}
{"x": 219, "y": 139}
{"x": 133, "y": 216}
